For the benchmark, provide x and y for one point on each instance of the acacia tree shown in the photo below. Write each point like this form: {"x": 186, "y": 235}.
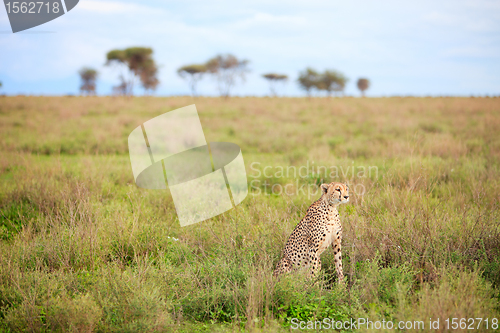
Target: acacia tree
{"x": 363, "y": 84}
{"x": 309, "y": 79}
{"x": 192, "y": 73}
{"x": 332, "y": 81}
{"x": 88, "y": 78}
{"x": 273, "y": 79}
{"x": 140, "y": 65}
{"x": 121, "y": 89}
{"x": 148, "y": 76}
{"x": 227, "y": 69}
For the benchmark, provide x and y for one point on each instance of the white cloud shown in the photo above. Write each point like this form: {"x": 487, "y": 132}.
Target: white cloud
{"x": 463, "y": 21}
{"x": 260, "y": 19}
{"x": 472, "y": 52}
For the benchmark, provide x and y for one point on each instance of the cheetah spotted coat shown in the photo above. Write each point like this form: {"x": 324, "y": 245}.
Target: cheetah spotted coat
{"x": 318, "y": 229}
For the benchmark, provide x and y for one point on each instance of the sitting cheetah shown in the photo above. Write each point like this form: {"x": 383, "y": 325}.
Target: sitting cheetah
{"x": 317, "y": 230}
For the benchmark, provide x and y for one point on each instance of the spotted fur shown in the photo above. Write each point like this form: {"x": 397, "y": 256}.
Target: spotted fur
{"x": 318, "y": 229}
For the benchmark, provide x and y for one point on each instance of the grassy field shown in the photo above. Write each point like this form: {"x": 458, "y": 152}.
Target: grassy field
{"x": 83, "y": 249}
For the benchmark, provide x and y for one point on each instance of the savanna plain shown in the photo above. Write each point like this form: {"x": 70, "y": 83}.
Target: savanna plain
{"x": 83, "y": 249}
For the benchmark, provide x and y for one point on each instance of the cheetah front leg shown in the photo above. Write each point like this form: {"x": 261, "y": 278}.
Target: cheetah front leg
{"x": 337, "y": 252}
{"x": 315, "y": 262}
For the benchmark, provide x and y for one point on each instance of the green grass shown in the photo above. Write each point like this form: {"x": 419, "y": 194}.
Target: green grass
{"x": 83, "y": 249}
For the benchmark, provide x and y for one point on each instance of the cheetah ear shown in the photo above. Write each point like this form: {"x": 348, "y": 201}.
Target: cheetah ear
{"x": 324, "y": 187}
{"x": 347, "y": 186}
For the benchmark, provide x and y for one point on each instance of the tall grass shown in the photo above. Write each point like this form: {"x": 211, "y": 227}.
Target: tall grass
{"x": 83, "y": 249}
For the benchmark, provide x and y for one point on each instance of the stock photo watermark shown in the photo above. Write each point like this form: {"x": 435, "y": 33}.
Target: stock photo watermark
{"x": 28, "y": 14}
{"x": 208, "y": 179}
{"x": 264, "y": 179}
{"x": 406, "y": 325}
{"x": 204, "y": 179}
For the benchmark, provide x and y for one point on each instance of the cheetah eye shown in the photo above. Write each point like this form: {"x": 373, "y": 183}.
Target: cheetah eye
{"x": 338, "y": 189}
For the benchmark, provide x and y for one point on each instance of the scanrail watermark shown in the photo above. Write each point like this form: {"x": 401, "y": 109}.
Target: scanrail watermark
{"x": 366, "y": 324}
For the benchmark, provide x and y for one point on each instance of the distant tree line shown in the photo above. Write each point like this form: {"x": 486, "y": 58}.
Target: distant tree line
{"x": 137, "y": 65}
{"x": 331, "y": 81}
{"x": 225, "y": 69}
{"x": 140, "y": 65}
{"x": 274, "y": 79}
{"x": 88, "y": 78}
{"x": 363, "y": 84}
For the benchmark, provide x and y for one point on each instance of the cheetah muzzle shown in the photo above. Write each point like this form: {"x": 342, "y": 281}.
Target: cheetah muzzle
{"x": 314, "y": 234}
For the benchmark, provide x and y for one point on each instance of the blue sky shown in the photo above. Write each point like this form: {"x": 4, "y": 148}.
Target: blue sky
{"x": 404, "y": 48}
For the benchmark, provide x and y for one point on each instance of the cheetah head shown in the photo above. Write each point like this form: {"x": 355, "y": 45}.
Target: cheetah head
{"x": 335, "y": 193}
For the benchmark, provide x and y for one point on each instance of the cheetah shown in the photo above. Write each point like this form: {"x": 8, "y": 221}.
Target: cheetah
{"x": 317, "y": 230}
